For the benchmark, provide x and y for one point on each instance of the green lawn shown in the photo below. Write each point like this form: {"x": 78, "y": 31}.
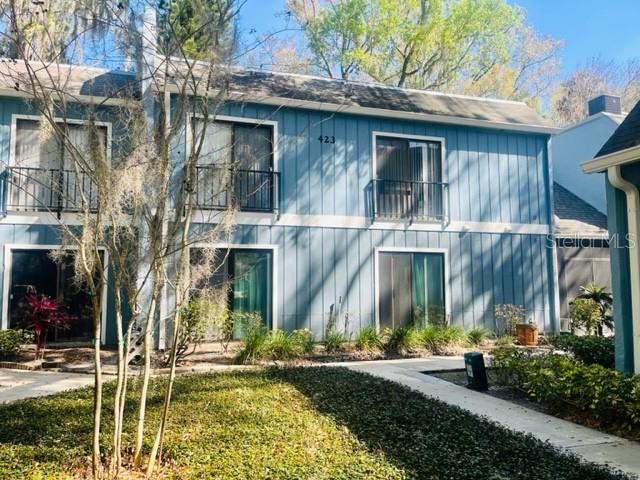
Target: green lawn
{"x": 294, "y": 423}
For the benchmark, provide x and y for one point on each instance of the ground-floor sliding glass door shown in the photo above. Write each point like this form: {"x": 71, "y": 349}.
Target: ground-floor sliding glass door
{"x": 411, "y": 289}
{"x": 35, "y": 271}
{"x": 247, "y": 274}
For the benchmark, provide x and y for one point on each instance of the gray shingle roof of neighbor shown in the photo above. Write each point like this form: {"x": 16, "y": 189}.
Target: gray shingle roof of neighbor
{"x": 627, "y": 134}
{"x": 74, "y": 80}
{"x": 575, "y": 217}
{"x": 312, "y": 91}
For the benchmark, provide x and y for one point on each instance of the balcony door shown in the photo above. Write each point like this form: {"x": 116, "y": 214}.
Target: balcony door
{"x": 411, "y": 289}
{"x": 43, "y": 174}
{"x": 235, "y": 166}
{"x": 408, "y": 178}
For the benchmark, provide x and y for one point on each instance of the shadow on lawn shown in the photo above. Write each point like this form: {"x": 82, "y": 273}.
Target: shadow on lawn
{"x": 427, "y": 438}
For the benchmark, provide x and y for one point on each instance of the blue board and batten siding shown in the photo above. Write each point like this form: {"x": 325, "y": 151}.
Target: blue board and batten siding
{"x": 494, "y": 177}
{"x": 33, "y": 232}
{"x": 498, "y": 183}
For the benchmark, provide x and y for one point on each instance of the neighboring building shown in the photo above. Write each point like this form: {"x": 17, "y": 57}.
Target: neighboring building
{"x": 582, "y": 247}
{"x": 392, "y": 203}
{"x": 580, "y": 202}
{"x": 619, "y": 159}
{"x": 581, "y": 140}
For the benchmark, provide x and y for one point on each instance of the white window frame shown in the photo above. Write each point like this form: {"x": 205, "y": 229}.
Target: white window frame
{"x": 246, "y": 120}
{"x": 424, "y": 138}
{"x": 70, "y": 121}
{"x": 43, "y": 216}
{"x": 376, "y": 261}
{"x": 274, "y": 267}
{"x": 8, "y": 265}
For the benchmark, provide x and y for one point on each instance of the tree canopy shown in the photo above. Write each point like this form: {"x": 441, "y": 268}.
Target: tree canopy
{"x": 480, "y": 47}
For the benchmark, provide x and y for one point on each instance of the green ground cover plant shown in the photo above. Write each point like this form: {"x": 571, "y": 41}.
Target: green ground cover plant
{"x": 286, "y": 423}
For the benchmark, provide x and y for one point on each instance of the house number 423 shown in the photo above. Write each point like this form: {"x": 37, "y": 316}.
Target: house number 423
{"x": 326, "y": 139}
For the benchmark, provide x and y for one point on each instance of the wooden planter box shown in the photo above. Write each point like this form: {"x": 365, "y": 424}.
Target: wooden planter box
{"x": 527, "y": 334}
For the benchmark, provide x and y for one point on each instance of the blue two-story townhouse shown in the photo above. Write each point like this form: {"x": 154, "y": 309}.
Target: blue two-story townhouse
{"x": 372, "y": 204}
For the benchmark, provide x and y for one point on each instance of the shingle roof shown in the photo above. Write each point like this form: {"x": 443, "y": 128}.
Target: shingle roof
{"x": 304, "y": 91}
{"x": 347, "y": 95}
{"x": 74, "y": 80}
{"x": 627, "y": 135}
{"x": 574, "y": 217}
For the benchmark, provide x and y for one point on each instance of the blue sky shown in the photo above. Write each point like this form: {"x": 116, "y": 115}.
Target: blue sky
{"x": 609, "y": 28}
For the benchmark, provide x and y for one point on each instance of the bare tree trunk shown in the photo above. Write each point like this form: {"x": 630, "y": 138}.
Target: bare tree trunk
{"x": 97, "y": 390}
{"x": 183, "y": 264}
{"x": 116, "y": 459}
{"x": 148, "y": 338}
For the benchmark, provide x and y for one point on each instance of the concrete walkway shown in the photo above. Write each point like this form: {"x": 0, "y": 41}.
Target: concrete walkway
{"x": 592, "y": 445}
{"x": 18, "y": 384}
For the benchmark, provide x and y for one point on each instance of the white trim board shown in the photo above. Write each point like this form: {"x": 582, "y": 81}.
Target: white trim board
{"x": 294, "y": 220}
{"x": 376, "y": 273}
{"x": 357, "y": 222}
{"x": 274, "y": 267}
{"x": 8, "y": 265}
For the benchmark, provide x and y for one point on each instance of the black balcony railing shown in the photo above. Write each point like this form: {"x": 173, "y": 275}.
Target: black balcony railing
{"x": 43, "y": 189}
{"x": 413, "y": 201}
{"x": 248, "y": 190}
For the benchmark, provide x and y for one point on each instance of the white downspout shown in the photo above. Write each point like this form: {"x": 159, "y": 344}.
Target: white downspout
{"x": 633, "y": 217}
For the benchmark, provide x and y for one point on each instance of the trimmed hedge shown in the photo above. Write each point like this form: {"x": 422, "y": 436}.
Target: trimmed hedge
{"x": 564, "y": 384}
{"x": 590, "y": 349}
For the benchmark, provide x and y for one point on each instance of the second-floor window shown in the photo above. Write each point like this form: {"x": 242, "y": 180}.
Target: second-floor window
{"x": 48, "y": 173}
{"x": 408, "y": 182}
{"x": 235, "y": 166}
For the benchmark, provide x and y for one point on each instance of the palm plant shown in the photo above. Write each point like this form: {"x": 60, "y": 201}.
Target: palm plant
{"x": 603, "y": 298}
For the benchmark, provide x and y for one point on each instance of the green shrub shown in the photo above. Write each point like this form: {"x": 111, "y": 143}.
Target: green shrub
{"x": 368, "y": 339}
{"x": 508, "y": 316}
{"x": 401, "y": 340}
{"x": 585, "y": 314}
{"x": 478, "y": 335}
{"x": 505, "y": 340}
{"x": 197, "y": 319}
{"x": 11, "y": 341}
{"x": 254, "y": 338}
{"x": 565, "y": 384}
{"x": 442, "y": 340}
{"x": 303, "y": 341}
{"x": 590, "y": 349}
{"x": 278, "y": 346}
{"x": 335, "y": 341}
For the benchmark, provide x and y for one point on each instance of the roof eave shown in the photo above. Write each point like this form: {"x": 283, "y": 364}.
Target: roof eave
{"x": 622, "y": 157}
{"x": 84, "y": 99}
{"x": 377, "y": 112}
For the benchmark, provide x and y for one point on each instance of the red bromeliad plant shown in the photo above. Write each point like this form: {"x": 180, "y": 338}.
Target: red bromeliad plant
{"x": 41, "y": 313}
